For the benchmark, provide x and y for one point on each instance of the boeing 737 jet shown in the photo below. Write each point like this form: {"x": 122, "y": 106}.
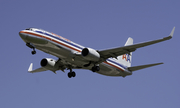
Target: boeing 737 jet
{"x": 109, "y": 62}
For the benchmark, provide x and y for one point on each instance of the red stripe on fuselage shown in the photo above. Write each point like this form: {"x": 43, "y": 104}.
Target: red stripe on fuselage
{"x": 50, "y": 40}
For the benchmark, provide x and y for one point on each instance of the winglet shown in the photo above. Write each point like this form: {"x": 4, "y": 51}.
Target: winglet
{"x": 172, "y": 32}
{"x": 30, "y": 67}
{"x": 129, "y": 41}
{"x": 170, "y": 35}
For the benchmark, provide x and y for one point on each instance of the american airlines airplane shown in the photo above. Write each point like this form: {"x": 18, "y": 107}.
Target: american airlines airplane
{"x": 109, "y": 62}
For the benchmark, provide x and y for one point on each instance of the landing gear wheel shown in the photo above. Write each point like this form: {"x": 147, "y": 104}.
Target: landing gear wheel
{"x": 32, "y": 47}
{"x": 71, "y": 74}
{"x": 33, "y": 52}
{"x": 95, "y": 68}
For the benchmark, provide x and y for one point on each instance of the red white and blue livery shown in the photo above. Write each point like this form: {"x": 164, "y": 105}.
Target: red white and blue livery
{"x": 109, "y": 62}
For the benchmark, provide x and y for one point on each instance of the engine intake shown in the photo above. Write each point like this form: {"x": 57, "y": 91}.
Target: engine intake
{"x": 90, "y": 54}
{"x": 49, "y": 64}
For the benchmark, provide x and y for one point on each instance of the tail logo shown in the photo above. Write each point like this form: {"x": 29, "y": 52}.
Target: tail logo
{"x": 126, "y": 57}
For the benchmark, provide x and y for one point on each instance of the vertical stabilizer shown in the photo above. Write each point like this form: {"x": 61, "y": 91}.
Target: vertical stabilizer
{"x": 126, "y": 59}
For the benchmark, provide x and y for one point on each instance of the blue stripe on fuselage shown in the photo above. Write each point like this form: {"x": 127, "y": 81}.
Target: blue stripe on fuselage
{"x": 60, "y": 39}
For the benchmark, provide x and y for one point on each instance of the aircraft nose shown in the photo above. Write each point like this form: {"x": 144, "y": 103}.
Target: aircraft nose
{"x": 22, "y": 35}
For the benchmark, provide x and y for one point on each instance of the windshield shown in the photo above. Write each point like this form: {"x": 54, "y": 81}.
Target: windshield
{"x": 28, "y": 29}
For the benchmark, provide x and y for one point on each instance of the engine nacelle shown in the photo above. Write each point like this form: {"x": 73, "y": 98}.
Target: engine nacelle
{"x": 49, "y": 64}
{"x": 90, "y": 54}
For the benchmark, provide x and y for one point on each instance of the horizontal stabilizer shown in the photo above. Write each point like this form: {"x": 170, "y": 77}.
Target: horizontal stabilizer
{"x": 135, "y": 68}
{"x": 36, "y": 70}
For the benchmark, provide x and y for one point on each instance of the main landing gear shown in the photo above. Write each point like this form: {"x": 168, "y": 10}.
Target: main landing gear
{"x": 32, "y": 47}
{"x": 71, "y": 74}
{"x": 95, "y": 68}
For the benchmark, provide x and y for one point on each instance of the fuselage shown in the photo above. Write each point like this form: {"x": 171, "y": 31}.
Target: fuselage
{"x": 69, "y": 51}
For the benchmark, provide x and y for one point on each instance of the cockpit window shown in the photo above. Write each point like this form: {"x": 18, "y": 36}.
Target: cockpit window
{"x": 29, "y": 29}
{"x": 38, "y": 30}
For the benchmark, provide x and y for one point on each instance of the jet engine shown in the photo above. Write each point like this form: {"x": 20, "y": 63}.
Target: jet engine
{"x": 90, "y": 54}
{"x": 49, "y": 64}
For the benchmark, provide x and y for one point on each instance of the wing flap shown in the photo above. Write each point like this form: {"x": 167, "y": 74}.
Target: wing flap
{"x": 135, "y": 68}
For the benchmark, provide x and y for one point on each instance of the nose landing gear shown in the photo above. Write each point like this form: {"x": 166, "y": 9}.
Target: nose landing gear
{"x": 32, "y": 47}
{"x": 33, "y": 52}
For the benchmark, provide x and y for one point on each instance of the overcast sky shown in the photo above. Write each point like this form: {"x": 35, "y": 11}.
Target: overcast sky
{"x": 98, "y": 24}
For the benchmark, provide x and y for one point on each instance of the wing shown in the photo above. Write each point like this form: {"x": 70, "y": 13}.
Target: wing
{"x": 60, "y": 63}
{"x": 114, "y": 52}
{"x": 36, "y": 70}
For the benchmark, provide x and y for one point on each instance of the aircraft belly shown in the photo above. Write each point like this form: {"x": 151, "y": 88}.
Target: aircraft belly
{"x": 76, "y": 61}
{"x": 53, "y": 50}
{"x": 62, "y": 53}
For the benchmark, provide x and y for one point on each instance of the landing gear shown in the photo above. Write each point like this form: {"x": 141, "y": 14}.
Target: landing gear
{"x": 95, "y": 68}
{"x": 33, "y": 52}
{"x": 71, "y": 73}
{"x": 32, "y": 47}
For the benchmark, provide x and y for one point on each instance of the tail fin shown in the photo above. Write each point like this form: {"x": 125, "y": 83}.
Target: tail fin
{"x": 126, "y": 59}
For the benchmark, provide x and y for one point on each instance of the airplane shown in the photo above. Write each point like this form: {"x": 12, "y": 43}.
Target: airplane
{"x": 110, "y": 62}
